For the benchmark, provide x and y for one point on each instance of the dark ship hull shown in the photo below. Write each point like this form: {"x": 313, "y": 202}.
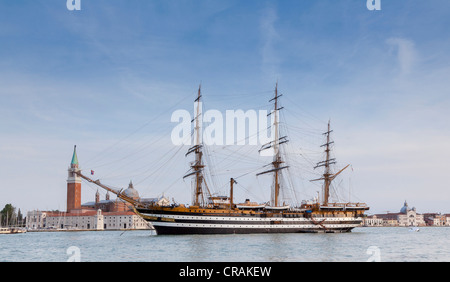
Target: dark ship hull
{"x": 177, "y": 221}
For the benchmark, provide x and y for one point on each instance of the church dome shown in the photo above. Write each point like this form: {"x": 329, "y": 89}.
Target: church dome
{"x": 405, "y": 208}
{"x": 131, "y": 192}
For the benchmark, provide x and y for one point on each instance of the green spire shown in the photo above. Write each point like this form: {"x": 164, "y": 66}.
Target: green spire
{"x": 74, "y": 158}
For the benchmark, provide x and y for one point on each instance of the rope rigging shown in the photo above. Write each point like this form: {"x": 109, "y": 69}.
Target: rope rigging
{"x": 140, "y": 157}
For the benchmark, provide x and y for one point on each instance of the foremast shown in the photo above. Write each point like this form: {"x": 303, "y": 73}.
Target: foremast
{"x": 197, "y": 165}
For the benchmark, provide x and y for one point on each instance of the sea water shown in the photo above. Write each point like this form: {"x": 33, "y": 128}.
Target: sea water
{"x": 385, "y": 244}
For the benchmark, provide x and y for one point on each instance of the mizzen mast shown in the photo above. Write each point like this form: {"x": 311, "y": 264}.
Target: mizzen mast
{"x": 327, "y": 176}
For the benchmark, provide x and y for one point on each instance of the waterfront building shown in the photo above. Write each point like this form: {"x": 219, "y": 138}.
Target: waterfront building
{"x": 373, "y": 220}
{"x": 96, "y": 220}
{"x": 436, "y": 219}
{"x": 92, "y": 220}
{"x": 35, "y": 219}
{"x": 87, "y": 220}
{"x": 409, "y": 217}
{"x": 447, "y": 219}
{"x": 128, "y": 220}
{"x": 99, "y": 214}
{"x": 406, "y": 217}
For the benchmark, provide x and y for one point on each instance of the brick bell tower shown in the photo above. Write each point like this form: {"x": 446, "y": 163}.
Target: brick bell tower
{"x": 73, "y": 184}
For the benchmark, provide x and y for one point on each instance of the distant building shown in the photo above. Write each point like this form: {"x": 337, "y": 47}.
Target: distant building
{"x": 73, "y": 184}
{"x": 447, "y": 219}
{"x": 96, "y": 221}
{"x": 436, "y": 219}
{"x": 373, "y": 220}
{"x": 106, "y": 205}
{"x": 409, "y": 217}
{"x": 36, "y": 219}
{"x": 97, "y": 215}
{"x": 406, "y": 217}
{"x": 91, "y": 220}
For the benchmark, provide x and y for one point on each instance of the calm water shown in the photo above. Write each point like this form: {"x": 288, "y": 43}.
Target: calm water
{"x": 363, "y": 244}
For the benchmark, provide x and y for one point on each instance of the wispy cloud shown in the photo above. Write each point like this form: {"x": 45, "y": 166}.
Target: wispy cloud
{"x": 270, "y": 58}
{"x": 406, "y": 54}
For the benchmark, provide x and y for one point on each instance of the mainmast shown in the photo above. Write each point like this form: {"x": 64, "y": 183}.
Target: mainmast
{"x": 275, "y": 144}
{"x": 197, "y": 166}
{"x": 327, "y": 175}
{"x": 277, "y": 158}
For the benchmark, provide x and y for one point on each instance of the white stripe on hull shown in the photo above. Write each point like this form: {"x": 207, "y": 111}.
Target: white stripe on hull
{"x": 255, "y": 224}
{"x": 235, "y": 218}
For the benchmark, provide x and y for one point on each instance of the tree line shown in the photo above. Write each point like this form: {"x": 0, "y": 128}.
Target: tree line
{"x": 10, "y": 217}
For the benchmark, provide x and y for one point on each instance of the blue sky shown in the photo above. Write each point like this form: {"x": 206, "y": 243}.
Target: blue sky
{"x": 108, "y": 77}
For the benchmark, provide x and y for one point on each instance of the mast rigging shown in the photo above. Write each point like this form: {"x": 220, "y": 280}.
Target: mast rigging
{"x": 275, "y": 143}
{"x": 327, "y": 177}
{"x": 197, "y": 166}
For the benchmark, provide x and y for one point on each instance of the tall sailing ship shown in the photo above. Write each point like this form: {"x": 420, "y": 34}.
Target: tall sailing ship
{"x": 220, "y": 215}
